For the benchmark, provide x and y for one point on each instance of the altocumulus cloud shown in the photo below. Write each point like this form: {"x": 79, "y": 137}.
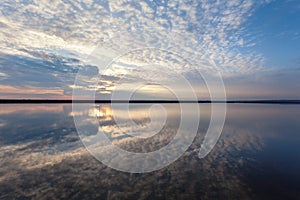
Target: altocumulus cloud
{"x": 74, "y": 28}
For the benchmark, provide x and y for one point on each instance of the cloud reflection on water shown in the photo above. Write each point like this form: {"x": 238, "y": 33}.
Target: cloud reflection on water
{"x": 42, "y": 158}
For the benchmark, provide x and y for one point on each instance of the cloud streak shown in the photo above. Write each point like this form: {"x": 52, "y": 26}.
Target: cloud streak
{"x": 7, "y": 91}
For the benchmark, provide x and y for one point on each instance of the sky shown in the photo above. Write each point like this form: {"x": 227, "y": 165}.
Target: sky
{"x": 117, "y": 46}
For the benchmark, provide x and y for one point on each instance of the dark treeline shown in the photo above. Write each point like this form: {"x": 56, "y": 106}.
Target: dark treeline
{"x": 57, "y": 101}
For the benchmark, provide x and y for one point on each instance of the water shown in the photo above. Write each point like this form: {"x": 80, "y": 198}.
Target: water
{"x": 256, "y": 157}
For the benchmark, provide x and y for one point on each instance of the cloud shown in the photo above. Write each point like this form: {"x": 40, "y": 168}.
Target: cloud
{"x": 8, "y": 91}
{"x": 55, "y": 32}
{"x": 215, "y": 28}
{"x": 3, "y": 75}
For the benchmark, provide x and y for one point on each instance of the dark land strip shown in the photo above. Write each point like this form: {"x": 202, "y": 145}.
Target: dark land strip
{"x": 69, "y": 101}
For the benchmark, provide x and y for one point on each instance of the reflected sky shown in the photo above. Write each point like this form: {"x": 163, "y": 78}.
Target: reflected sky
{"x": 257, "y": 156}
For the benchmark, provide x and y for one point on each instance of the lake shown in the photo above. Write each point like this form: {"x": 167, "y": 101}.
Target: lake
{"x": 256, "y": 157}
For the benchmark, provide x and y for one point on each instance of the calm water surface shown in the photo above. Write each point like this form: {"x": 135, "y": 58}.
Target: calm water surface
{"x": 256, "y": 157}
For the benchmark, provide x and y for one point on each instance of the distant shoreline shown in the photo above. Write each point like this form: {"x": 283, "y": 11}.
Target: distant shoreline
{"x": 62, "y": 101}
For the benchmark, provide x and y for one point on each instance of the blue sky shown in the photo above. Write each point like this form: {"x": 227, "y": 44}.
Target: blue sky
{"x": 255, "y": 46}
{"x": 278, "y": 32}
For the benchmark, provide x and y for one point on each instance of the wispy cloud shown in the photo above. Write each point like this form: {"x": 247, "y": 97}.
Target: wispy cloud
{"x": 7, "y": 91}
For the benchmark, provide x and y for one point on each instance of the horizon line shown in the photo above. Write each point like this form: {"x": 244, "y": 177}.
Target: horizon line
{"x": 69, "y": 101}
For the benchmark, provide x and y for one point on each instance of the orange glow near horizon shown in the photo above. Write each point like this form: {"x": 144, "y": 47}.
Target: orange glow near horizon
{"x": 27, "y": 92}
